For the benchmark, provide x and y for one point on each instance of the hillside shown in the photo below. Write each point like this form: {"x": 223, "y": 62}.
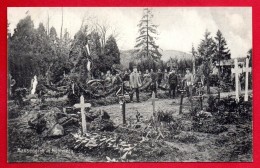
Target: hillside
{"x": 125, "y": 56}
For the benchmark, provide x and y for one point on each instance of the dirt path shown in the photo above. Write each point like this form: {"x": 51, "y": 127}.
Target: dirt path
{"x": 145, "y": 109}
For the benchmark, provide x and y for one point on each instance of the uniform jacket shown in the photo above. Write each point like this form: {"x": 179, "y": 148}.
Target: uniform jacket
{"x": 173, "y": 78}
{"x": 135, "y": 80}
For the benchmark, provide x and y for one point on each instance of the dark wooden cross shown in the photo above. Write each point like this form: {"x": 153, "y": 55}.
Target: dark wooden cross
{"x": 182, "y": 90}
{"x": 200, "y": 95}
{"x": 122, "y": 101}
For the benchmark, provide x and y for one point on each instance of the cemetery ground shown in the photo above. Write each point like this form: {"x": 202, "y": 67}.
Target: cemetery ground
{"x": 42, "y": 131}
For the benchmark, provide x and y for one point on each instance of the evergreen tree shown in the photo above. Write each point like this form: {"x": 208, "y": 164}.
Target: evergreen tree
{"x": 222, "y": 52}
{"x": 145, "y": 42}
{"x": 194, "y": 55}
{"x": 249, "y": 55}
{"x": 53, "y": 34}
{"x": 206, "y": 52}
{"x": 21, "y": 53}
{"x": 111, "y": 50}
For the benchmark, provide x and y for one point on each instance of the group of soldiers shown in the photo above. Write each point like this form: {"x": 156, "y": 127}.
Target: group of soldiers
{"x": 136, "y": 79}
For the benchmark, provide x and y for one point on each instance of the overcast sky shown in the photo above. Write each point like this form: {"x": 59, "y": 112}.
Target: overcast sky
{"x": 179, "y": 27}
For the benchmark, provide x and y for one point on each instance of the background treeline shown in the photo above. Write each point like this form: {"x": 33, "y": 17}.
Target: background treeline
{"x": 38, "y": 51}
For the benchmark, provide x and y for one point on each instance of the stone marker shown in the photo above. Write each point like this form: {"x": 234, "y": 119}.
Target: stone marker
{"x": 236, "y": 70}
{"x": 247, "y": 70}
{"x": 57, "y": 130}
{"x": 82, "y": 105}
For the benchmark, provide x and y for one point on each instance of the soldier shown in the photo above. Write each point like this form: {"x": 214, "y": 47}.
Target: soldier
{"x": 126, "y": 78}
{"x": 173, "y": 82}
{"x": 154, "y": 83}
{"x": 160, "y": 76}
{"x": 135, "y": 83}
{"x": 188, "y": 78}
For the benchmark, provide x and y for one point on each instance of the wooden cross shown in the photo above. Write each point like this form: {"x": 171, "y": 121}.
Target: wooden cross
{"x": 236, "y": 70}
{"x": 200, "y": 95}
{"x": 181, "y": 101}
{"x": 82, "y": 105}
{"x": 247, "y": 70}
{"x": 122, "y": 101}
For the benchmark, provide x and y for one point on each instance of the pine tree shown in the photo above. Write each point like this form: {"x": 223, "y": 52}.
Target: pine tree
{"x": 249, "y": 55}
{"x": 206, "y": 52}
{"x": 21, "y": 52}
{"x": 53, "y": 34}
{"x": 194, "y": 54}
{"x": 222, "y": 52}
{"x": 111, "y": 50}
{"x": 145, "y": 42}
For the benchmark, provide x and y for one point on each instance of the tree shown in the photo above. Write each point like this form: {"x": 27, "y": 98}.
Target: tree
{"x": 53, "y": 34}
{"x": 194, "y": 54}
{"x": 145, "y": 42}
{"x": 206, "y": 51}
{"x": 222, "y": 51}
{"x": 249, "y": 55}
{"x": 112, "y": 51}
{"x": 20, "y": 55}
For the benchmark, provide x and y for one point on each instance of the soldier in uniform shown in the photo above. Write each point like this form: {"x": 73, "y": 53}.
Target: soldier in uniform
{"x": 154, "y": 83}
{"x": 173, "y": 82}
{"x": 189, "y": 80}
{"x": 135, "y": 83}
{"x": 160, "y": 76}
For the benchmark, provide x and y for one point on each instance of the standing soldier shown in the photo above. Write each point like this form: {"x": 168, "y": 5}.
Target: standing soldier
{"x": 188, "y": 81}
{"x": 135, "y": 84}
{"x": 173, "y": 82}
{"x": 160, "y": 76}
{"x": 166, "y": 76}
{"x": 154, "y": 82}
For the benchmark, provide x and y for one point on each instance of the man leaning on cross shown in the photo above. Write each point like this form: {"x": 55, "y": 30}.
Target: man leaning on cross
{"x": 188, "y": 78}
{"x": 135, "y": 83}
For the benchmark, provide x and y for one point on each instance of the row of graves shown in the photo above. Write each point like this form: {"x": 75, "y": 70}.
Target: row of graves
{"x": 161, "y": 136}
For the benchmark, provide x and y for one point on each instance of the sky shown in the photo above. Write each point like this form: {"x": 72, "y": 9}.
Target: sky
{"x": 179, "y": 27}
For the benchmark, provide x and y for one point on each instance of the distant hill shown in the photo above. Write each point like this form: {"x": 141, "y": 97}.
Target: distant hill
{"x": 126, "y": 56}
{"x": 167, "y": 54}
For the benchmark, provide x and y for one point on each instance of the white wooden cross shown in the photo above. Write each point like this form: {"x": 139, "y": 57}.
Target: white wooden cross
{"x": 153, "y": 99}
{"x": 236, "y": 70}
{"x": 247, "y": 70}
{"x": 82, "y": 105}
